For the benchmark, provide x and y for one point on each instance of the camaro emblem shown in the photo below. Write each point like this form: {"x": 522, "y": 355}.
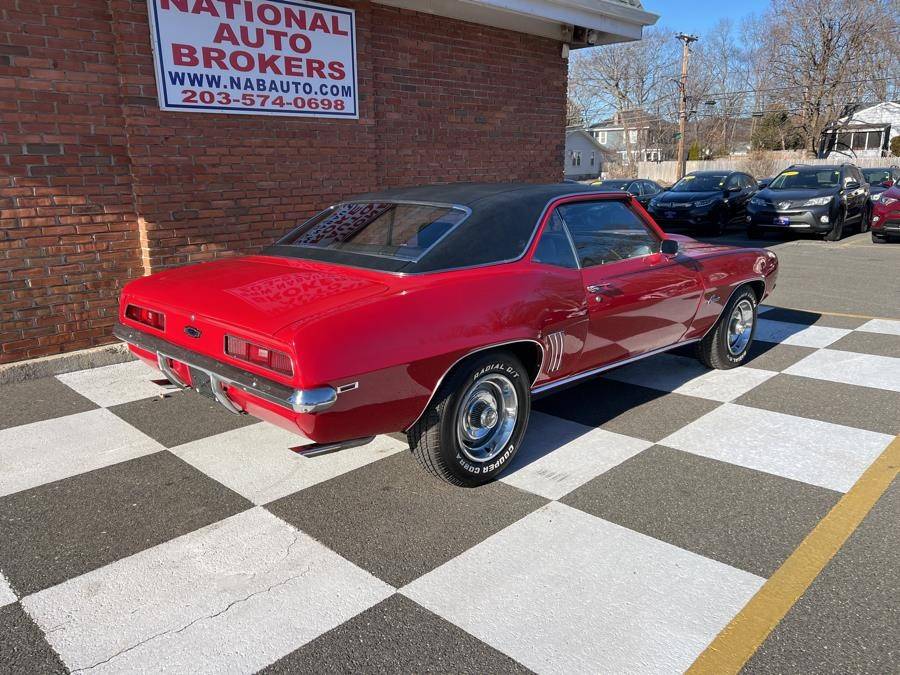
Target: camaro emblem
{"x": 784, "y": 205}
{"x": 193, "y": 332}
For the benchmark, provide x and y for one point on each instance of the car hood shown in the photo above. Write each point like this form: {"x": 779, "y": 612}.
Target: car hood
{"x": 259, "y": 293}
{"x": 681, "y": 197}
{"x": 794, "y": 195}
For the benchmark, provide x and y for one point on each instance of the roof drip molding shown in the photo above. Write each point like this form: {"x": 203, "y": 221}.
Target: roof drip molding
{"x": 601, "y": 21}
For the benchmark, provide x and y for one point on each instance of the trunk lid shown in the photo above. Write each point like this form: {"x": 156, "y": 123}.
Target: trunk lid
{"x": 259, "y": 294}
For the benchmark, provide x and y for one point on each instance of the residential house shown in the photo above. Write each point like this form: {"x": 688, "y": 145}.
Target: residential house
{"x": 866, "y": 132}
{"x": 584, "y": 156}
{"x": 642, "y": 136}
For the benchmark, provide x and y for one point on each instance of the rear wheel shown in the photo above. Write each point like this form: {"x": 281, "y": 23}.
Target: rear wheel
{"x": 727, "y": 344}
{"x": 473, "y": 427}
{"x": 837, "y": 228}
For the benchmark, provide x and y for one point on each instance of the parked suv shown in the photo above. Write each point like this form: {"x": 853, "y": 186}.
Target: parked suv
{"x": 812, "y": 198}
{"x": 705, "y": 200}
{"x": 880, "y": 178}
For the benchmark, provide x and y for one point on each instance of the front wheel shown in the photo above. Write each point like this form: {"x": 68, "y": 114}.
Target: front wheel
{"x": 837, "y": 228}
{"x": 473, "y": 428}
{"x": 726, "y": 345}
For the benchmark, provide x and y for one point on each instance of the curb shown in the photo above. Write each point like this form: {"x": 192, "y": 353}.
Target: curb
{"x": 57, "y": 364}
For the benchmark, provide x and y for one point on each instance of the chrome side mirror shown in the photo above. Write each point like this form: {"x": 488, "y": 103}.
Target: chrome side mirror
{"x": 669, "y": 247}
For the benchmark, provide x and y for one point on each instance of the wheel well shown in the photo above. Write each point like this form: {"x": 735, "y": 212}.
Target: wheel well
{"x": 529, "y": 352}
{"x": 759, "y": 289}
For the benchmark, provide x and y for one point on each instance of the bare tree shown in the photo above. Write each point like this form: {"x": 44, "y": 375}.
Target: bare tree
{"x": 817, "y": 52}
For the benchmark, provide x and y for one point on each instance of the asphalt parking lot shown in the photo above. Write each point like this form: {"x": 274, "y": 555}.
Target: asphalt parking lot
{"x": 658, "y": 517}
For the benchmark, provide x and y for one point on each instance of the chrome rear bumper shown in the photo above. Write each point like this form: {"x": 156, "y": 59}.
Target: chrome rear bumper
{"x": 222, "y": 375}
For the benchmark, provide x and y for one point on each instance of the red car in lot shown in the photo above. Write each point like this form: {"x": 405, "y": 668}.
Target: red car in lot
{"x": 886, "y": 215}
{"x": 439, "y": 311}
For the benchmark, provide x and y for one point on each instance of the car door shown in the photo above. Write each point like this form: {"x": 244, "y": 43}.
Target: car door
{"x": 854, "y": 195}
{"x": 637, "y": 298}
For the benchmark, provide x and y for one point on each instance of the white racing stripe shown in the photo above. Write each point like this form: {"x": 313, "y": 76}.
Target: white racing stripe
{"x": 797, "y": 334}
{"x": 41, "y": 452}
{"x": 231, "y": 597}
{"x": 683, "y": 375}
{"x": 819, "y": 453}
{"x": 112, "y": 385}
{"x": 562, "y": 591}
{"x": 256, "y": 461}
{"x": 864, "y": 370}
{"x": 558, "y": 456}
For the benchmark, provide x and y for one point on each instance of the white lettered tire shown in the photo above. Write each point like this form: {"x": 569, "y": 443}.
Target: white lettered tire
{"x": 474, "y": 425}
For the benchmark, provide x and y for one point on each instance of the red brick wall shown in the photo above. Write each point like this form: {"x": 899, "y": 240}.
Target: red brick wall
{"x": 97, "y": 185}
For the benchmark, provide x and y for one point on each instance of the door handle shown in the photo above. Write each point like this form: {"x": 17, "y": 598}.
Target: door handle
{"x": 597, "y": 288}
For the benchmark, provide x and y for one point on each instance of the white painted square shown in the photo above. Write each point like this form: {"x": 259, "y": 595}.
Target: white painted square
{"x": 684, "y": 375}
{"x": 798, "y": 334}
{"x": 864, "y": 370}
{"x": 256, "y": 461}
{"x": 111, "y": 385}
{"x": 558, "y": 456}
{"x": 42, "y": 452}
{"x": 562, "y": 591}
{"x": 886, "y": 326}
{"x": 230, "y": 597}
{"x": 7, "y": 596}
{"x": 819, "y": 453}
{"x": 784, "y": 332}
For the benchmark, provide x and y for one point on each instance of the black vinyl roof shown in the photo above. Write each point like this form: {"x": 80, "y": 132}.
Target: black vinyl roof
{"x": 500, "y": 226}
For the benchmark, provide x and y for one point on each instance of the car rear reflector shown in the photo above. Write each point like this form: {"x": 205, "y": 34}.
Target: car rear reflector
{"x": 251, "y": 352}
{"x": 148, "y": 317}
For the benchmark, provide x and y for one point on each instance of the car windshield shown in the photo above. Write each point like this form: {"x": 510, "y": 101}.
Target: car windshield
{"x": 806, "y": 179}
{"x": 877, "y": 176}
{"x": 700, "y": 183}
{"x": 399, "y": 231}
{"x": 612, "y": 184}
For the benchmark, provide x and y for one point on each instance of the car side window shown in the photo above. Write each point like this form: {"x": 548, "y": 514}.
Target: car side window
{"x": 607, "y": 231}
{"x": 733, "y": 182}
{"x": 554, "y": 247}
{"x": 748, "y": 182}
{"x": 650, "y": 188}
{"x": 635, "y": 188}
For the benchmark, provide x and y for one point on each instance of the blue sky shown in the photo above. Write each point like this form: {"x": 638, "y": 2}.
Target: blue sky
{"x": 698, "y": 16}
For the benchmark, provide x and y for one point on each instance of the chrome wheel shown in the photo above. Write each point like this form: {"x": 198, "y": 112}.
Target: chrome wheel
{"x": 740, "y": 327}
{"x": 487, "y": 417}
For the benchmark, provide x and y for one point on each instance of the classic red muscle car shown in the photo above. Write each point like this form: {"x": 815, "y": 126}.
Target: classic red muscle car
{"x": 440, "y": 311}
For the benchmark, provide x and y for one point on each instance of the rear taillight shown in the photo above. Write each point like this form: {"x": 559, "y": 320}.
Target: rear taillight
{"x": 251, "y": 352}
{"x": 148, "y": 317}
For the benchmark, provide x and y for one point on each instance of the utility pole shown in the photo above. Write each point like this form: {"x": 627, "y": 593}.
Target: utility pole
{"x": 686, "y": 41}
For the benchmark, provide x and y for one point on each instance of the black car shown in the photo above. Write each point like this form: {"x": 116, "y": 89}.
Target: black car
{"x": 705, "y": 200}
{"x": 880, "y": 179}
{"x": 812, "y": 198}
{"x": 643, "y": 190}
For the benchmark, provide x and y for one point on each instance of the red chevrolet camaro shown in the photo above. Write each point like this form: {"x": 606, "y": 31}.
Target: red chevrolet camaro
{"x": 440, "y": 311}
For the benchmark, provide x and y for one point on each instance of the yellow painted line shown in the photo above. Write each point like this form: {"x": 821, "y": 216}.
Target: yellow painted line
{"x": 740, "y": 639}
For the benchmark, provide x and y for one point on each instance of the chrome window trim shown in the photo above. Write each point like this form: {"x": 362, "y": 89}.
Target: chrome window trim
{"x": 479, "y": 265}
{"x": 410, "y": 202}
{"x": 453, "y": 365}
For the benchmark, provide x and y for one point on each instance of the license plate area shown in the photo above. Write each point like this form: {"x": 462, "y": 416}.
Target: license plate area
{"x": 782, "y": 220}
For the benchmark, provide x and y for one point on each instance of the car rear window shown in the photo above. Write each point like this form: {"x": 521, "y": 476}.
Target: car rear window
{"x": 398, "y": 231}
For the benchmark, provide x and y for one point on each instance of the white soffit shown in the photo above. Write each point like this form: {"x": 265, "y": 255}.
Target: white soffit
{"x": 614, "y": 20}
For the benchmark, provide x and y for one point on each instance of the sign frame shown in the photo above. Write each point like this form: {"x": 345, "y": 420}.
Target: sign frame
{"x": 168, "y": 106}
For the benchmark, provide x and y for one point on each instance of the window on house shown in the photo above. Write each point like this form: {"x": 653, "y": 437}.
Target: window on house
{"x": 592, "y": 159}
{"x": 601, "y": 137}
{"x": 632, "y": 135}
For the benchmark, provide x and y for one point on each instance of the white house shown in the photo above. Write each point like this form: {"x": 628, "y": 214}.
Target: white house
{"x": 584, "y": 156}
{"x": 864, "y": 133}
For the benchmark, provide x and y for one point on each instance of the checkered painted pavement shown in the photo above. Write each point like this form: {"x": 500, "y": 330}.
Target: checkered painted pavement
{"x": 142, "y": 532}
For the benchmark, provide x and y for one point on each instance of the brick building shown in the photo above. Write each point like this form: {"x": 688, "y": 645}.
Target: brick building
{"x": 100, "y": 185}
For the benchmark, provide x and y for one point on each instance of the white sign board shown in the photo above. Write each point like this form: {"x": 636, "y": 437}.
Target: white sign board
{"x": 259, "y": 57}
